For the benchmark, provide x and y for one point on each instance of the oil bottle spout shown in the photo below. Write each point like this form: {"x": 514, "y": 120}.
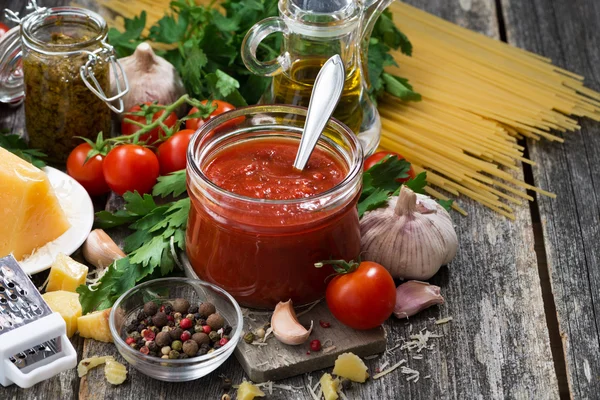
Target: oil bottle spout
{"x": 372, "y": 11}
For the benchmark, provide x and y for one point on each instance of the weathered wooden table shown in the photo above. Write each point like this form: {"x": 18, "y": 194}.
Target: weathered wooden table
{"x": 522, "y": 294}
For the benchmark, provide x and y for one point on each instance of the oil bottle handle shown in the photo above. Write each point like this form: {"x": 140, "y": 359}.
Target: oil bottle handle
{"x": 253, "y": 39}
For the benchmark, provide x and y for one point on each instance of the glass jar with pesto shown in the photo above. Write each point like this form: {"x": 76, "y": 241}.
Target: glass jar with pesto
{"x": 65, "y": 64}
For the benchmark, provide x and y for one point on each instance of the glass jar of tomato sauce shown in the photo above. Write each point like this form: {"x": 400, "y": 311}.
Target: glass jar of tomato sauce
{"x": 257, "y": 226}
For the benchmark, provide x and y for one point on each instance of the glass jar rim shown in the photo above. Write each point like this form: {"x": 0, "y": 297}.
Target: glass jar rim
{"x": 32, "y": 20}
{"x": 354, "y": 164}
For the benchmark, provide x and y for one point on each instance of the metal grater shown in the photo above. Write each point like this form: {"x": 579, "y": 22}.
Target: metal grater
{"x": 33, "y": 341}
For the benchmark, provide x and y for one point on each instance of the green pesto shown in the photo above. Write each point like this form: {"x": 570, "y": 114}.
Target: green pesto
{"x": 58, "y": 104}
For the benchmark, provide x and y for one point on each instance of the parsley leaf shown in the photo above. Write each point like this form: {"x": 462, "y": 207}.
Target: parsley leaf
{"x": 447, "y": 204}
{"x": 170, "y": 185}
{"x": 18, "y": 146}
{"x": 417, "y": 184}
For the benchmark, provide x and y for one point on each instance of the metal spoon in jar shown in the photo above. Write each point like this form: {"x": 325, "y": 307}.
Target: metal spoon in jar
{"x": 323, "y": 100}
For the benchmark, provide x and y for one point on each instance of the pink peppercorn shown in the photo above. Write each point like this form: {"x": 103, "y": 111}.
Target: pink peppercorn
{"x": 185, "y": 336}
{"x": 144, "y": 350}
{"x": 206, "y": 329}
{"x": 223, "y": 341}
{"x": 149, "y": 335}
{"x": 185, "y": 323}
{"x": 315, "y": 345}
{"x": 130, "y": 341}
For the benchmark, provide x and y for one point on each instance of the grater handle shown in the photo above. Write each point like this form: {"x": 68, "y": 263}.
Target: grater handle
{"x": 66, "y": 360}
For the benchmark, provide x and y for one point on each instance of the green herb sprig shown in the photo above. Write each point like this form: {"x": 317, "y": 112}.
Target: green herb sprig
{"x": 18, "y": 146}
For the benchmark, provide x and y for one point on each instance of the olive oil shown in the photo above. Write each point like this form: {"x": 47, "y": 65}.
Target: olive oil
{"x": 295, "y": 87}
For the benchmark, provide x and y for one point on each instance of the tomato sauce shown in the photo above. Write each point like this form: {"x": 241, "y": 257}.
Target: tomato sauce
{"x": 263, "y": 252}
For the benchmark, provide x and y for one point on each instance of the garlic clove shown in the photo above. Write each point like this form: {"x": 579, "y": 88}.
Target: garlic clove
{"x": 286, "y": 327}
{"x": 100, "y": 250}
{"x": 415, "y": 296}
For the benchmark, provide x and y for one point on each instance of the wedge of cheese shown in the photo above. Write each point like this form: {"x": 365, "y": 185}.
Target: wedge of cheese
{"x": 66, "y": 274}
{"x": 29, "y": 210}
{"x": 67, "y": 305}
{"x": 95, "y": 326}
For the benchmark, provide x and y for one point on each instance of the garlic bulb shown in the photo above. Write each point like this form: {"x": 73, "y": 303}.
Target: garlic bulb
{"x": 412, "y": 237}
{"x": 415, "y": 296}
{"x": 151, "y": 78}
{"x": 100, "y": 250}
{"x": 286, "y": 327}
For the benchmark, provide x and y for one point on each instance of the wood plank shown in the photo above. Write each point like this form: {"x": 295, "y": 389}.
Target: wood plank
{"x": 568, "y": 33}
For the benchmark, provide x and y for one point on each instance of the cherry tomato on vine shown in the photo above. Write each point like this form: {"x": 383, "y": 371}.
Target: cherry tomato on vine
{"x": 362, "y": 298}
{"x": 89, "y": 174}
{"x": 172, "y": 153}
{"x": 3, "y": 29}
{"x": 376, "y": 157}
{"x": 131, "y": 167}
{"x": 128, "y": 128}
{"x": 196, "y": 123}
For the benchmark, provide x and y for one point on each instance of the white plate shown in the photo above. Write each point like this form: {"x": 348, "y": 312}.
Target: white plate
{"x": 78, "y": 207}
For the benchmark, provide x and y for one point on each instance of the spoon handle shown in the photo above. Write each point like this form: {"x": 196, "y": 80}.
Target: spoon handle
{"x": 323, "y": 100}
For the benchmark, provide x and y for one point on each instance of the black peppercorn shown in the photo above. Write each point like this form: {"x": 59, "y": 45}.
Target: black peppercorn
{"x": 346, "y": 384}
{"x": 192, "y": 310}
{"x": 141, "y": 327}
{"x": 205, "y": 346}
{"x": 160, "y": 319}
{"x": 206, "y": 309}
{"x": 202, "y": 351}
{"x": 131, "y": 328}
{"x": 152, "y": 346}
{"x": 141, "y": 342}
{"x": 227, "y": 329}
{"x": 217, "y": 345}
{"x": 176, "y": 333}
{"x": 184, "y": 356}
{"x": 197, "y": 316}
{"x": 141, "y": 316}
{"x": 150, "y": 308}
{"x": 201, "y": 321}
{"x": 225, "y": 383}
{"x": 168, "y": 309}
{"x": 171, "y": 323}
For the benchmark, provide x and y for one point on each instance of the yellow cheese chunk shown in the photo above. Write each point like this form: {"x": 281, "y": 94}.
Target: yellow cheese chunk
{"x": 95, "y": 326}
{"x": 329, "y": 387}
{"x": 67, "y": 305}
{"x": 350, "y": 366}
{"x": 30, "y": 213}
{"x": 248, "y": 391}
{"x": 66, "y": 274}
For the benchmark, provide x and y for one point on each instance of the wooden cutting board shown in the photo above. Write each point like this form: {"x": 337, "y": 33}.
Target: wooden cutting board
{"x": 276, "y": 360}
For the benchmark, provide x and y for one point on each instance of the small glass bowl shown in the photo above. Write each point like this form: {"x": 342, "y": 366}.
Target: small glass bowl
{"x": 195, "y": 291}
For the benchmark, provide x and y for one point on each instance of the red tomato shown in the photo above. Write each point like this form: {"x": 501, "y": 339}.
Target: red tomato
{"x": 172, "y": 153}
{"x": 152, "y": 136}
{"x": 89, "y": 173}
{"x": 375, "y": 158}
{"x": 130, "y": 167}
{"x": 196, "y": 123}
{"x": 3, "y": 29}
{"x": 364, "y": 298}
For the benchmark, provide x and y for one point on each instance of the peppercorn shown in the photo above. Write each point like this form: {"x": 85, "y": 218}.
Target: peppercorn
{"x": 152, "y": 346}
{"x": 226, "y": 397}
{"x": 177, "y": 316}
{"x": 202, "y": 321}
{"x": 131, "y": 328}
{"x": 130, "y": 341}
{"x": 181, "y": 305}
{"x": 214, "y": 336}
{"x": 185, "y": 336}
{"x": 223, "y": 341}
{"x": 198, "y": 328}
{"x": 190, "y": 317}
{"x": 315, "y": 345}
{"x": 190, "y": 348}
{"x": 141, "y": 316}
{"x": 202, "y": 351}
{"x": 176, "y": 345}
{"x": 206, "y": 309}
{"x": 183, "y": 356}
{"x": 216, "y": 346}
{"x": 192, "y": 310}
{"x": 225, "y": 383}
{"x": 163, "y": 339}
{"x": 166, "y": 329}
{"x": 206, "y": 329}
{"x": 176, "y": 333}
{"x": 197, "y": 316}
{"x": 140, "y": 342}
{"x": 168, "y": 309}
{"x": 154, "y": 329}
{"x": 215, "y": 321}
{"x": 135, "y": 334}
{"x": 150, "y": 308}
{"x": 211, "y": 351}
{"x": 200, "y": 338}
{"x": 165, "y": 350}
{"x": 173, "y": 355}
{"x": 346, "y": 383}
{"x": 141, "y": 327}
{"x": 144, "y": 350}
{"x": 249, "y": 337}
{"x": 160, "y": 319}
{"x": 205, "y": 346}
{"x": 260, "y": 332}
{"x": 166, "y": 357}
{"x": 171, "y": 324}
{"x": 227, "y": 329}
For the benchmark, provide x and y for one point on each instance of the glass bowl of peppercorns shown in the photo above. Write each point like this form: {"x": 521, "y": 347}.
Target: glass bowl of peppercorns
{"x": 176, "y": 329}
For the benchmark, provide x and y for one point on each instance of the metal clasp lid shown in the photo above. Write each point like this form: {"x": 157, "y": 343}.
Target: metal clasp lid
{"x": 87, "y": 72}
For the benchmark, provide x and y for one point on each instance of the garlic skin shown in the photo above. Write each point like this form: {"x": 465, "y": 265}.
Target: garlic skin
{"x": 415, "y": 296}
{"x": 412, "y": 237}
{"x": 151, "y": 78}
{"x": 100, "y": 250}
{"x": 286, "y": 327}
